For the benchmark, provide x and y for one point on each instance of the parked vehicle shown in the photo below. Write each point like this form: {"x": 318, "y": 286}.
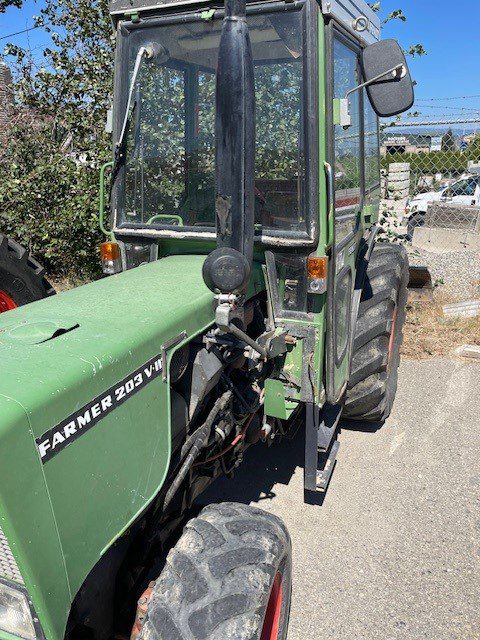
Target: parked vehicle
{"x": 22, "y": 278}
{"x": 465, "y": 191}
{"x": 247, "y": 294}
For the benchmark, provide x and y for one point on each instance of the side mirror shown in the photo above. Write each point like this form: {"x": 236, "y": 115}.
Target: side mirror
{"x": 387, "y": 78}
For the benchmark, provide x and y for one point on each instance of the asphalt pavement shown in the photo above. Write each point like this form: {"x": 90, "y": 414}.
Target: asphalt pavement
{"x": 393, "y": 552}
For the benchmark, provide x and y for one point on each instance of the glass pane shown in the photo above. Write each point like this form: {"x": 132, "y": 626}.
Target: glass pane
{"x": 343, "y": 293}
{"x": 463, "y": 188}
{"x": 155, "y": 152}
{"x": 170, "y": 169}
{"x": 292, "y": 282}
{"x": 199, "y": 203}
{"x": 371, "y": 138}
{"x": 347, "y": 141}
{"x": 279, "y": 148}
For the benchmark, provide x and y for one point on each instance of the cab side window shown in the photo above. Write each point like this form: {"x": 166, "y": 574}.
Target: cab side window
{"x": 347, "y": 142}
{"x": 372, "y": 144}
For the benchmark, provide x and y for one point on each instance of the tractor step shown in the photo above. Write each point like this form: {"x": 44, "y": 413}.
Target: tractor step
{"x": 321, "y": 448}
{"x": 328, "y": 425}
{"x": 323, "y": 477}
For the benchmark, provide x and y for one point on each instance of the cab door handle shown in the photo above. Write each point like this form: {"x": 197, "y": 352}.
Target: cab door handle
{"x": 330, "y": 202}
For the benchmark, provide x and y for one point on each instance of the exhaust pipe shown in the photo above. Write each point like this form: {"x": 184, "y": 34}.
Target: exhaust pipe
{"x": 227, "y": 269}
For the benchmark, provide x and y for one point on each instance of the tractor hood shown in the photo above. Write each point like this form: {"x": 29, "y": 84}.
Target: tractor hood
{"x": 84, "y": 419}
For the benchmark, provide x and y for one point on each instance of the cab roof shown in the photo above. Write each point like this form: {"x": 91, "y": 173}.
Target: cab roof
{"x": 355, "y": 15}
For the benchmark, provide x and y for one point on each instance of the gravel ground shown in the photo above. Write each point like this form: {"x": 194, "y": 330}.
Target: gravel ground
{"x": 459, "y": 271}
{"x": 394, "y": 551}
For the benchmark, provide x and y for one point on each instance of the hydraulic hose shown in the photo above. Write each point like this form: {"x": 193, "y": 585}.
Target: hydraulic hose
{"x": 194, "y": 445}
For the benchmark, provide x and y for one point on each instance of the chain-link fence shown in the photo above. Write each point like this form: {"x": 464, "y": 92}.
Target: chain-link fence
{"x": 431, "y": 175}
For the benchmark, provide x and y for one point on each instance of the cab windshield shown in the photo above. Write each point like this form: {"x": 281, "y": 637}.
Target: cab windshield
{"x": 168, "y": 177}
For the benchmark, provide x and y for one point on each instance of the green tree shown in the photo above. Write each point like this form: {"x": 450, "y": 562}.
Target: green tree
{"x": 73, "y": 86}
{"x": 49, "y": 170}
{"x": 448, "y": 141}
{"x": 4, "y": 4}
{"x": 412, "y": 50}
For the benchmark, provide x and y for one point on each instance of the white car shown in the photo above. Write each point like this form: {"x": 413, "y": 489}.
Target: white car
{"x": 466, "y": 191}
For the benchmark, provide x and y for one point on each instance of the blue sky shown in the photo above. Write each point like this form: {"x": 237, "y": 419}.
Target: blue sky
{"x": 449, "y": 32}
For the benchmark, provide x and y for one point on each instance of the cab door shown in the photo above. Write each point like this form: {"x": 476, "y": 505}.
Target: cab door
{"x": 345, "y": 174}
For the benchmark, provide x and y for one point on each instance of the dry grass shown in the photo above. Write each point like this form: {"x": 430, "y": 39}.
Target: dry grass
{"x": 428, "y": 333}
{"x": 64, "y": 284}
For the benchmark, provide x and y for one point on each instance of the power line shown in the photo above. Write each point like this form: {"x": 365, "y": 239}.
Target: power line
{"x": 19, "y": 33}
{"x": 448, "y": 98}
{"x": 413, "y": 123}
{"x": 443, "y": 116}
{"x": 444, "y": 106}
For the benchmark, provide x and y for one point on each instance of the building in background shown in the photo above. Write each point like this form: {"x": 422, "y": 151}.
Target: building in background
{"x": 406, "y": 144}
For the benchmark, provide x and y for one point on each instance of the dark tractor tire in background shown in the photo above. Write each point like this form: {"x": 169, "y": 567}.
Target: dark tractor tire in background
{"x": 229, "y": 577}
{"x": 378, "y": 336}
{"x": 416, "y": 220}
{"x": 22, "y": 278}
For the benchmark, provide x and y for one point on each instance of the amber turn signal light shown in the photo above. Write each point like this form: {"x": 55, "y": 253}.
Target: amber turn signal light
{"x": 110, "y": 257}
{"x": 317, "y": 267}
{"x": 317, "y": 271}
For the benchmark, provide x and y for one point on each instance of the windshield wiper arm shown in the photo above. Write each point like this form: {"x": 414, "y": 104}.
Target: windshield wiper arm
{"x": 144, "y": 52}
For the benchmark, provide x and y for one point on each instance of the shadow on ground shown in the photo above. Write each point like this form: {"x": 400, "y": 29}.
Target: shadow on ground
{"x": 359, "y": 425}
{"x": 262, "y": 468}
{"x": 265, "y": 467}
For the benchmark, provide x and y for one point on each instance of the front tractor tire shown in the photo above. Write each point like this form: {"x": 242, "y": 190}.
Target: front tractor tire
{"x": 378, "y": 336}
{"x": 229, "y": 577}
{"x": 22, "y": 278}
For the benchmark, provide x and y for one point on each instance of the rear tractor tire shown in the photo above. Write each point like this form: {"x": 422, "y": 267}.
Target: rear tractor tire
{"x": 378, "y": 336}
{"x": 22, "y": 278}
{"x": 229, "y": 577}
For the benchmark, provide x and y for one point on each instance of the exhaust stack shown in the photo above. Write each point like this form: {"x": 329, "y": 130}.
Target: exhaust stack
{"x": 227, "y": 269}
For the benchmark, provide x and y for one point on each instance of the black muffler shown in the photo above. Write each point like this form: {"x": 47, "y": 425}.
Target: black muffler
{"x": 227, "y": 269}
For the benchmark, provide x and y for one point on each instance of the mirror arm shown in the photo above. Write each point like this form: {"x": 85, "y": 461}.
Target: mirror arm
{"x": 344, "y": 115}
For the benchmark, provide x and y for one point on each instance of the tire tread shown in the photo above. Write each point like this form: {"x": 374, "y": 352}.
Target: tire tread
{"x": 217, "y": 578}
{"x": 372, "y": 383}
{"x": 22, "y": 277}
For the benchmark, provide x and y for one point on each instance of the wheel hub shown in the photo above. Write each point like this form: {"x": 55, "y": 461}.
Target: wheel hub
{"x": 6, "y": 302}
{"x": 271, "y": 625}
{"x": 391, "y": 341}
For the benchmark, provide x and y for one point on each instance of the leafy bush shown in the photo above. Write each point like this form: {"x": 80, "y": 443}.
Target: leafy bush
{"x": 57, "y": 141}
{"x": 48, "y": 202}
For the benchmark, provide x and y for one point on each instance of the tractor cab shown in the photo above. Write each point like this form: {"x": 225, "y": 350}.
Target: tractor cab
{"x": 262, "y": 142}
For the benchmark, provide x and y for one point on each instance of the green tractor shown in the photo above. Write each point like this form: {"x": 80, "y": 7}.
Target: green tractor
{"x": 22, "y": 278}
{"x": 247, "y": 295}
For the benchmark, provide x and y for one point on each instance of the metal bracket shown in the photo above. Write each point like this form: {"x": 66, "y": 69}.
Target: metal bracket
{"x": 230, "y": 307}
{"x": 168, "y": 345}
{"x": 342, "y": 107}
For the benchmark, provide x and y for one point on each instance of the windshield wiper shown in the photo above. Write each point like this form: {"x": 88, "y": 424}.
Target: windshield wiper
{"x": 144, "y": 52}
